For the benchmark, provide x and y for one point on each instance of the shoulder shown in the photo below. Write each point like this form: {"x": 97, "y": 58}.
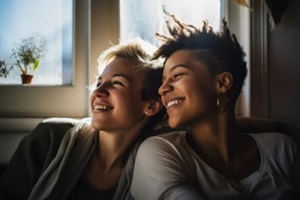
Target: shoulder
{"x": 34, "y": 154}
{"x": 276, "y": 146}
{"x": 166, "y": 149}
{"x": 163, "y": 168}
{"x": 274, "y": 140}
{"x": 164, "y": 141}
{"x": 43, "y": 142}
{"x": 51, "y": 128}
{"x": 161, "y": 151}
{"x": 83, "y": 128}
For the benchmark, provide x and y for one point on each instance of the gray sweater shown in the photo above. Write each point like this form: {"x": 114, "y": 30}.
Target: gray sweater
{"x": 48, "y": 162}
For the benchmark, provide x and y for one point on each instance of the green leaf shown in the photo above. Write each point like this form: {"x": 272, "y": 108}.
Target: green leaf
{"x": 36, "y": 64}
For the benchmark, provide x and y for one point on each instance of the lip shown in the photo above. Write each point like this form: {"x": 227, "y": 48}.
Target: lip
{"x": 101, "y": 106}
{"x": 171, "y": 102}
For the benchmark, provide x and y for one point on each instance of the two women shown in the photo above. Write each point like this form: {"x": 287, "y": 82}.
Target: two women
{"x": 203, "y": 75}
{"x": 93, "y": 160}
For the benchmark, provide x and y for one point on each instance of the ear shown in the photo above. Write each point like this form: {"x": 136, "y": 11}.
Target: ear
{"x": 224, "y": 82}
{"x": 154, "y": 107}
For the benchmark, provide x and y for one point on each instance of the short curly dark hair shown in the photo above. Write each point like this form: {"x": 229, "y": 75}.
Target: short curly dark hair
{"x": 219, "y": 51}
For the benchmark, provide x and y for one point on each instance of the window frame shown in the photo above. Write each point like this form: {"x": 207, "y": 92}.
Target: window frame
{"x": 23, "y": 106}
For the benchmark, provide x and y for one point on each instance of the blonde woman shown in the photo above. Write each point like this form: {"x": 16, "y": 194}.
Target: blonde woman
{"x": 94, "y": 159}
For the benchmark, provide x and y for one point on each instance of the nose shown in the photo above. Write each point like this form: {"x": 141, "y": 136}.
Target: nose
{"x": 101, "y": 90}
{"x": 165, "y": 88}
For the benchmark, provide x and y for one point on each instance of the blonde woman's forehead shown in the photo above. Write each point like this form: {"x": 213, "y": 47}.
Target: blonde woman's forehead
{"x": 130, "y": 68}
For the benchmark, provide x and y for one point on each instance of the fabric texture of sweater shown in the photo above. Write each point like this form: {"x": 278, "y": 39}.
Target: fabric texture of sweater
{"x": 48, "y": 162}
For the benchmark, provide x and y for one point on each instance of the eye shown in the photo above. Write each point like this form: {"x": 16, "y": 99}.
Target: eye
{"x": 117, "y": 83}
{"x": 178, "y": 75}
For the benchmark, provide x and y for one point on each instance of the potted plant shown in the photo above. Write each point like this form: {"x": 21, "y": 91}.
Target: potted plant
{"x": 28, "y": 54}
{"x": 4, "y": 70}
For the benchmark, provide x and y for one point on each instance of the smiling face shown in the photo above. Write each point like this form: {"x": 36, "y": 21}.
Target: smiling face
{"x": 116, "y": 102}
{"x": 188, "y": 90}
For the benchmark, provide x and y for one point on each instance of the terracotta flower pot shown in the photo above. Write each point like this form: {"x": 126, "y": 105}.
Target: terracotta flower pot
{"x": 26, "y": 78}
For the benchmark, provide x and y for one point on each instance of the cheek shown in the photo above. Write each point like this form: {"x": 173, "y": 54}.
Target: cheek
{"x": 204, "y": 102}
{"x": 131, "y": 103}
{"x": 202, "y": 95}
{"x": 130, "y": 115}
{"x": 92, "y": 98}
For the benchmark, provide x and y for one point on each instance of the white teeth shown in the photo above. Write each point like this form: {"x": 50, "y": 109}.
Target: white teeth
{"x": 173, "y": 102}
{"x": 102, "y": 107}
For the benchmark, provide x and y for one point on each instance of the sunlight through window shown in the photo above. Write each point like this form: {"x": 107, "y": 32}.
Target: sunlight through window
{"x": 20, "y": 19}
{"x": 143, "y": 18}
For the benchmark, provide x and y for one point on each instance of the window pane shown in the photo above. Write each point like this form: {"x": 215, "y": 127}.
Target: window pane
{"x": 143, "y": 17}
{"x": 20, "y": 19}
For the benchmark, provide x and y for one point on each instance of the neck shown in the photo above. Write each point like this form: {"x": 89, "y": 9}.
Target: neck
{"x": 114, "y": 147}
{"x": 219, "y": 143}
{"x": 217, "y": 137}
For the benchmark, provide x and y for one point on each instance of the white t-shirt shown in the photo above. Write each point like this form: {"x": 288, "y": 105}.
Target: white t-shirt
{"x": 167, "y": 168}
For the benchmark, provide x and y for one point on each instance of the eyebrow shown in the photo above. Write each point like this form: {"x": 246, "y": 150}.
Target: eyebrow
{"x": 179, "y": 65}
{"x": 118, "y": 75}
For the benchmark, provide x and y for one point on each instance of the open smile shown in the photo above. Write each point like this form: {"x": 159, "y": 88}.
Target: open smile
{"x": 101, "y": 107}
{"x": 174, "y": 102}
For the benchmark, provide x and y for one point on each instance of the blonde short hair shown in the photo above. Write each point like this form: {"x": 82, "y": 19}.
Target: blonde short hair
{"x": 135, "y": 49}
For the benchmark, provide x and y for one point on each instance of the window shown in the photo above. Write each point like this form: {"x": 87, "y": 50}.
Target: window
{"x": 53, "y": 20}
{"x": 20, "y": 104}
{"x": 143, "y": 18}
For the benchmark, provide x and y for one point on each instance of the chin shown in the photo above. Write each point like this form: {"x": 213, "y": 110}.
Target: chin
{"x": 177, "y": 123}
{"x": 173, "y": 124}
{"x": 96, "y": 125}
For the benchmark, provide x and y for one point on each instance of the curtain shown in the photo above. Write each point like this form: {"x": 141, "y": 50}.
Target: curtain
{"x": 276, "y": 8}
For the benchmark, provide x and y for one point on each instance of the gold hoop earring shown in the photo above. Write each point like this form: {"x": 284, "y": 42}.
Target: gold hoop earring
{"x": 222, "y": 109}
